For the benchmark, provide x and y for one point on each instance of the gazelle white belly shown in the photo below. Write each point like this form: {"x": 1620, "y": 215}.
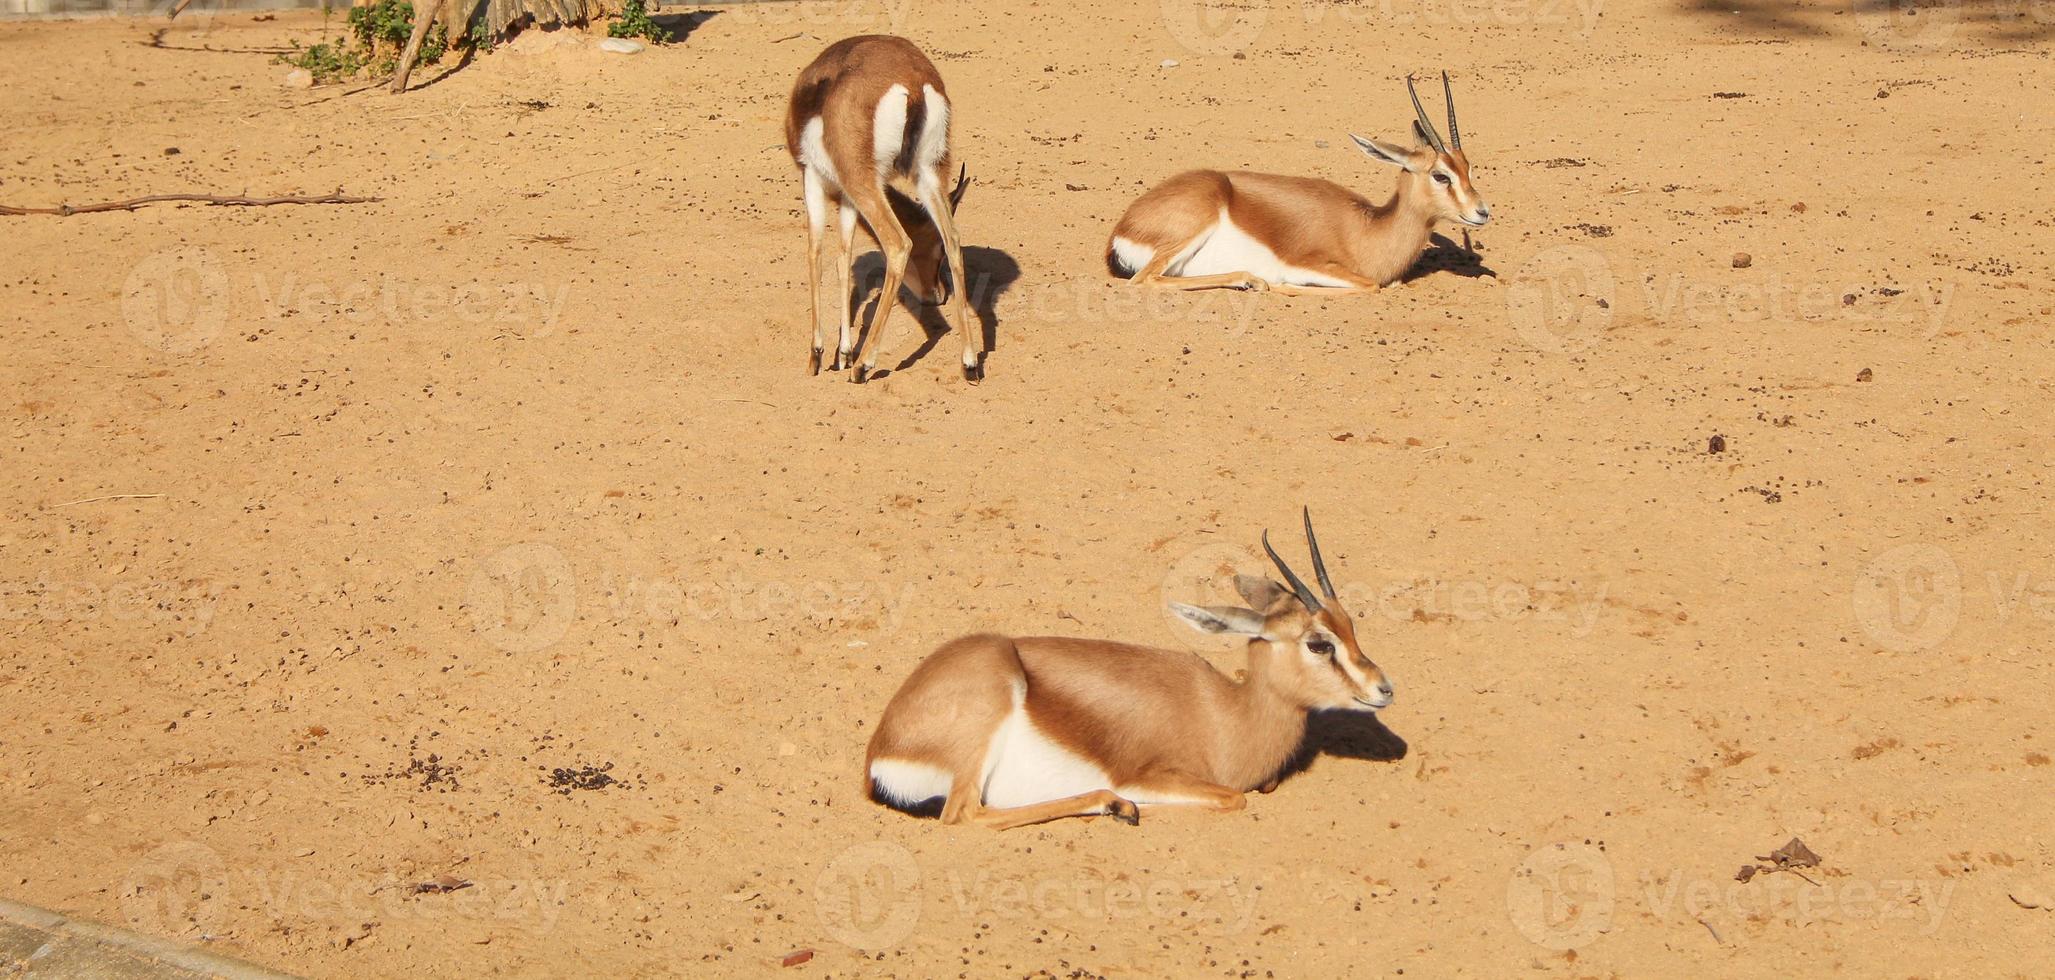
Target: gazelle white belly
{"x": 1227, "y": 248}
{"x": 1025, "y": 766}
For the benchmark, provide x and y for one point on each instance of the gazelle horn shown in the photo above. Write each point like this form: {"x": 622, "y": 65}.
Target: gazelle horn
{"x": 1313, "y": 545}
{"x": 1448, "y": 95}
{"x": 1426, "y": 125}
{"x": 1305, "y": 594}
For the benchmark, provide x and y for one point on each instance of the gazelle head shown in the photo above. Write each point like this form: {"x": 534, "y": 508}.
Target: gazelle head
{"x": 924, "y": 265}
{"x": 1306, "y": 642}
{"x": 1437, "y": 172}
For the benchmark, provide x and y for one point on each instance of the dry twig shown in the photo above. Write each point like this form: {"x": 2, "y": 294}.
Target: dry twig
{"x": 233, "y": 201}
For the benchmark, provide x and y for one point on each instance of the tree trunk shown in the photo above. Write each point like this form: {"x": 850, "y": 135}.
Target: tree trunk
{"x": 424, "y": 17}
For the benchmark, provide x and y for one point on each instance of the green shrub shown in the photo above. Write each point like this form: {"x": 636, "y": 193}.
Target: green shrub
{"x": 635, "y": 22}
{"x": 377, "y": 36}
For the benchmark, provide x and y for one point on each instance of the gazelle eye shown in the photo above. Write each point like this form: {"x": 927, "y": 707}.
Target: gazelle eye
{"x": 1440, "y": 178}
{"x": 1320, "y": 646}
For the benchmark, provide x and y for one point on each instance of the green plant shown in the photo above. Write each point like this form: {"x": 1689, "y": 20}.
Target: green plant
{"x": 328, "y": 61}
{"x": 480, "y": 37}
{"x": 377, "y": 35}
{"x": 382, "y": 31}
{"x": 635, "y": 22}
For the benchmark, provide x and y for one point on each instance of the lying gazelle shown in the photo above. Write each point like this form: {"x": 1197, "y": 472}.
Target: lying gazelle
{"x": 1014, "y": 731}
{"x": 1207, "y": 229}
{"x": 868, "y": 125}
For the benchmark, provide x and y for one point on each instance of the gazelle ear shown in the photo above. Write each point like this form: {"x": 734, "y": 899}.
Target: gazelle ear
{"x": 1385, "y": 152}
{"x": 1260, "y": 593}
{"x": 1220, "y": 619}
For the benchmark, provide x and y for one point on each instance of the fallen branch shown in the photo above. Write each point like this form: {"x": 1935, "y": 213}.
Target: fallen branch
{"x": 136, "y": 202}
{"x": 111, "y": 496}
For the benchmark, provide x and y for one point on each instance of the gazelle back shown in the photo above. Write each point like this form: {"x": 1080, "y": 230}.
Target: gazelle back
{"x": 1008, "y": 731}
{"x": 868, "y": 125}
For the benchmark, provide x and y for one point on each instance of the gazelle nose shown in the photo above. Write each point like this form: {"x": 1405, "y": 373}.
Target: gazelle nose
{"x": 1384, "y": 690}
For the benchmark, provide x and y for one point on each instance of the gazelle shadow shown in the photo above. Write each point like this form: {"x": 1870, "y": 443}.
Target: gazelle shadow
{"x": 1447, "y": 256}
{"x": 1346, "y": 735}
{"x": 991, "y": 273}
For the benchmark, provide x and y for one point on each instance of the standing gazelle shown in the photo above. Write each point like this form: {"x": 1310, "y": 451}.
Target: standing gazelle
{"x": 1017, "y": 730}
{"x": 1206, "y": 229}
{"x": 869, "y": 127}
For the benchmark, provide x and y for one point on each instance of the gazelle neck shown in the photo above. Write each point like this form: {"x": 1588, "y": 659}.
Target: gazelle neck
{"x": 1393, "y": 233}
{"x": 1271, "y": 722}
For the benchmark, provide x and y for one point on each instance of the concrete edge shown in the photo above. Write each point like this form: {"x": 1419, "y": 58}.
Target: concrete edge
{"x": 149, "y": 947}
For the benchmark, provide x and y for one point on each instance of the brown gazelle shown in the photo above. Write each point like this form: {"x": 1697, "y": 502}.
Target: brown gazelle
{"x": 868, "y": 125}
{"x": 1008, "y": 731}
{"x": 1206, "y": 229}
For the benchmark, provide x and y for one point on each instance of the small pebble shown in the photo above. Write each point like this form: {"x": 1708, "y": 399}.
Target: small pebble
{"x": 1743, "y": 260}
{"x": 1169, "y": 63}
{"x": 1864, "y": 375}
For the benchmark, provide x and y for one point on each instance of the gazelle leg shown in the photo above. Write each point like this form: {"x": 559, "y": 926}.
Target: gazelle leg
{"x": 1152, "y": 274}
{"x": 1356, "y": 284}
{"x": 1178, "y": 789}
{"x": 848, "y": 229}
{"x": 893, "y": 241}
{"x": 937, "y": 203}
{"x": 966, "y": 805}
{"x": 1224, "y": 280}
{"x": 1095, "y": 803}
{"x": 816, "y": 225}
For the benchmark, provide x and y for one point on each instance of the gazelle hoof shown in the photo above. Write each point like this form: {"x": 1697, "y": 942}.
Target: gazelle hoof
{"x": 1125, "y": 811}
{"x": 974, "y": 373}
{"x": 861, "y": 374}
{"x": 813, "y": 364}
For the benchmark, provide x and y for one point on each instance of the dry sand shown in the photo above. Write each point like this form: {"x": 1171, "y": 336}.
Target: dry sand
{"x": 518, "y": 471}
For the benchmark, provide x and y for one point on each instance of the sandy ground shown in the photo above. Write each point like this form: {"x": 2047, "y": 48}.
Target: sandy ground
{"x": 495, "y": 531}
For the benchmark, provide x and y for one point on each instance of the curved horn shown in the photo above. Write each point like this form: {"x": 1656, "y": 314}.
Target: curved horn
{"x": 1305, "y": 594}
{"x": 1313, "y": 545}
{"x": 1426, "y": 126}
{"x": 1455, "y": 136}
